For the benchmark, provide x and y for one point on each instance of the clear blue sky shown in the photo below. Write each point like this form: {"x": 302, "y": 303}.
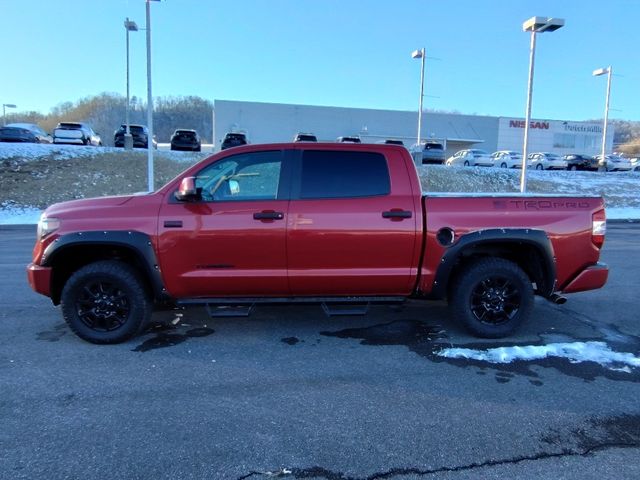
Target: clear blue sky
{"x": 330, "y": 52}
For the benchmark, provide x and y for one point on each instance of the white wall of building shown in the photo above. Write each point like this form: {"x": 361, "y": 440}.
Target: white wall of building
{"x": 553, "y": 136}
{"x": 273, "y": 122}
{"x": 276, "y": 122}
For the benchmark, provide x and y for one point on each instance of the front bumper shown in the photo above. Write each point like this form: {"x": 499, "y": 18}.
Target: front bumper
{"x": 39, "y": 279}
{"x": 590, "y": 278}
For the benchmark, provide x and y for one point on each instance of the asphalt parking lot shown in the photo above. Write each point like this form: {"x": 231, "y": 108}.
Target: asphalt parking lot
{"x": 291, "y": 393}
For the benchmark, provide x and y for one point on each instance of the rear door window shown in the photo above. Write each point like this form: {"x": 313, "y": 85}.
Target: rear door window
{"x": 343, "y": 174}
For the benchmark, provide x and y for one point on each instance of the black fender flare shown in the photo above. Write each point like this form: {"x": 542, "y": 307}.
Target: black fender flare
{"x": 497, "y": 237}
{"x": 139, "y": 243}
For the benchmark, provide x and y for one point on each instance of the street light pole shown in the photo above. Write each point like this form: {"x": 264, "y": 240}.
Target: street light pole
{"x": 597, "y": 73}
{"x": 149, "y": 102}
{"x": 420, "y": 54}
{"x": 533, "y": 25}
{"x": 129, "y": 26}
{"x": 527, "y": 121}
{"x": 4, "y": 111}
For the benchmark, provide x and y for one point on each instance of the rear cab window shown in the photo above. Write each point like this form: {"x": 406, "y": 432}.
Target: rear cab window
{"x": 343, "y": 174}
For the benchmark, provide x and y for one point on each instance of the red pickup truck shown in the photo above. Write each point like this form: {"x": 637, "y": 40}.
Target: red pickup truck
{"x": 327, "y": 223}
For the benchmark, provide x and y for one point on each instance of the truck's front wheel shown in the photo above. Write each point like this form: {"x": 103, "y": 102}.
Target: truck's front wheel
{"x": 492, "y": 297}
{"x": 105, "y": 302}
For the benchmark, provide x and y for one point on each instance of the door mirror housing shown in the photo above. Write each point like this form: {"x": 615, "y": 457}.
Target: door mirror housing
{"x": 234, "y": 187}
{"x": 187, "y": 192}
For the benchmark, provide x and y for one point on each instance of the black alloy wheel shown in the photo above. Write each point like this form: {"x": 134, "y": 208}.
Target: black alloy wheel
{"x": 495, "y": 301}
{"x": 102, "y": 305}
{"x": 106, "y": 302}
{"x": 491, "y": 297}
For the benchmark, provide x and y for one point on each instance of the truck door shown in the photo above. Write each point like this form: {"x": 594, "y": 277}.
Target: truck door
{"x": 232, "y": 243}
{"x": 352, "y": 228}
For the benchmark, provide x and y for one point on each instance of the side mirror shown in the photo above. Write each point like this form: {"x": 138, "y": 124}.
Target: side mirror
{"x": 188, "y": 191}
{"x": 234, "y": 187}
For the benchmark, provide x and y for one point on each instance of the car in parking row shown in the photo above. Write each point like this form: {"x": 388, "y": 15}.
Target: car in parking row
{"x": 24, "y": 133}
{"x": 470, "y": 158}
{"x": 140, "y": 134}
{"x": 186, "y": 139}
{"x": 616, "y": 163}
{"x": 76, "y": 133}
{"x": 546, "y": 161}
{"x": 507, "y": 159}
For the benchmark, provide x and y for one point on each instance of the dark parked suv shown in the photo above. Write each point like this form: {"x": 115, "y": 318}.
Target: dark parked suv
{"x": 185, "y": 139}
{"x": 233, "y": 140}
{"x": 576, "y": 161}
{"x": 140, "y": 134}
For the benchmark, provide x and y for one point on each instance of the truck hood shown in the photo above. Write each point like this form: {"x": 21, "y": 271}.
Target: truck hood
{"x": 86, "y": 207}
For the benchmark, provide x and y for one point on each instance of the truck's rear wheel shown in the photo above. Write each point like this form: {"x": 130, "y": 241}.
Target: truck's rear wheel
{"x": 492, "y": 297}
{"x": 105, "y": 302}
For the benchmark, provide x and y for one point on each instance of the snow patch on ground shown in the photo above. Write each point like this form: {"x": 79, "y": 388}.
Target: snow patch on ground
{"x": 19, "y": 215}
{"x": 575, "y": 352}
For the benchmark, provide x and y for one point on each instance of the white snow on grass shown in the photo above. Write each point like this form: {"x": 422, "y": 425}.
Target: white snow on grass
{"x": 575, "y": 352}
{"x": 33, "y": 151}
{"x": 19, "y": 215}
{"x": 25, "y": 152}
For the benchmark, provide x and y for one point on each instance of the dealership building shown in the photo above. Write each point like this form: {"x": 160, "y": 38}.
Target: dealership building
{"x": 276, "y": 122}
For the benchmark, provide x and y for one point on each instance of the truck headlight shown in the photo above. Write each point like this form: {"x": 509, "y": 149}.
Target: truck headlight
{"x": 47, "y": 226}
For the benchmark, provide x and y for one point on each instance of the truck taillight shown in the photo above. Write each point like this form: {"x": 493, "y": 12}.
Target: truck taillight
{"x": 598, "y": 228}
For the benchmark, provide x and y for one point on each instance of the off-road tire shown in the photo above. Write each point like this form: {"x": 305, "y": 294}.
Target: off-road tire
{"x": 106, "y": 302}
{"x": 491, "y": 297}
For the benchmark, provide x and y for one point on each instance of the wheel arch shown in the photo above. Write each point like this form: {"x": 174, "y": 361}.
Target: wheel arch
{"x": 70, "y": 252}
{"x": 530, "y": 249}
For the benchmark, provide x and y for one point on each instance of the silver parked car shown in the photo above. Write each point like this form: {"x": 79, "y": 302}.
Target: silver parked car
{"x": 507, "y": 159}
{"x": 617, "y": 163}
{"x": 547, "y": 161}
{"x": 470, "y": 158}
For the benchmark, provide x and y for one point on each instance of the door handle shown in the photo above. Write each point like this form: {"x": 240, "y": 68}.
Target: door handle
{"x": 268, "y": 215}
{"x": 397, "y": 213}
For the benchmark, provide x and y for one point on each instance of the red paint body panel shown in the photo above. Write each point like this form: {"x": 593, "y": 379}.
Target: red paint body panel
{"x": 39, "y": 279}
{"x": 345, "y": 247}
{"x": 222, "y": 251}
{"x": 589, "y": 279}
{"x": 327, "y": 247}
{"x": 568, "y": 227}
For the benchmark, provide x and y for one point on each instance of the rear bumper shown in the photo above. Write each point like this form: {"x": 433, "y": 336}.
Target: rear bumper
{"x": 590, "y": 278}
{"x": 39, "y": 279}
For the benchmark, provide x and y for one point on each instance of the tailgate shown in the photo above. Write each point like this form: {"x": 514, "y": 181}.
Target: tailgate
{"x": 67, "y": 133}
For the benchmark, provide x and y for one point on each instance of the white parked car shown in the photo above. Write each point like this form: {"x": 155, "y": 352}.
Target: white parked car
{"x": 547, "y": 161}
{"x": 507, "y": 159}
{"x": 470, "y": 158}
{"x": 617, "y": 163}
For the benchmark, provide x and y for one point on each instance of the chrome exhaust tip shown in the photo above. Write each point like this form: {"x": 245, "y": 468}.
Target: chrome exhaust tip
{"x": 557, "y": 299}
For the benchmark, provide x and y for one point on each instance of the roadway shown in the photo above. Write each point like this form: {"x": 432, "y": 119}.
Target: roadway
{"x": 293, "y": 393}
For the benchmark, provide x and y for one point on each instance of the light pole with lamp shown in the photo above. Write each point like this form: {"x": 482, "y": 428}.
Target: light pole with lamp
{"x": 533, "y": 25}
{"x": 4, "y": 111}
{"x": 149, "y": 101}
{"x": 597, "y": 73}
{"x": 129, "y": 26}
{"x": 420, "y": 54}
